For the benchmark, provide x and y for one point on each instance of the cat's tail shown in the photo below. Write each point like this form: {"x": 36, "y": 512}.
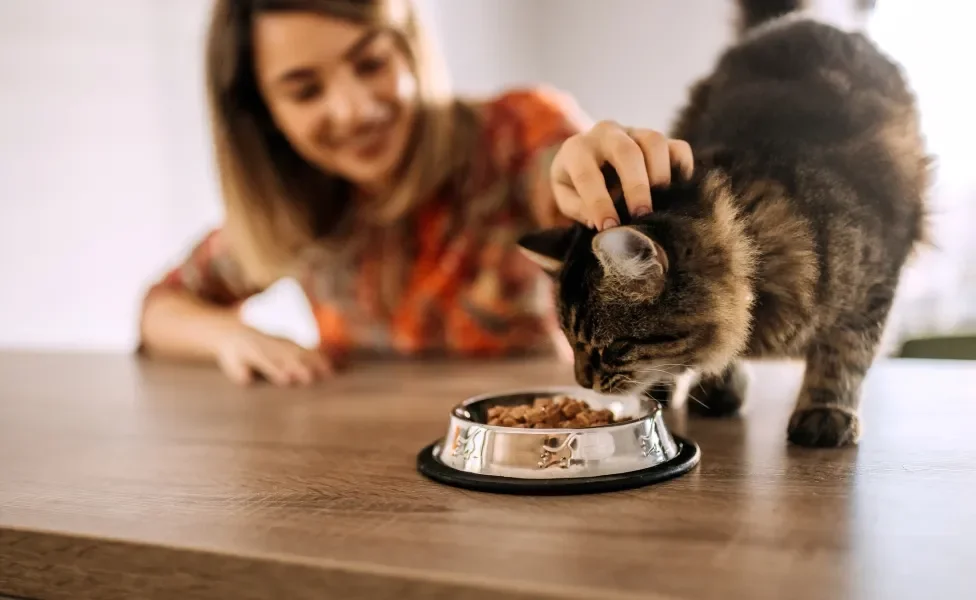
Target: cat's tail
{"x": 753, "y": 13}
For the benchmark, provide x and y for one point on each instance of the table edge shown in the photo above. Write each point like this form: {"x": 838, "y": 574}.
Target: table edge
{"x": 38, "y": 563}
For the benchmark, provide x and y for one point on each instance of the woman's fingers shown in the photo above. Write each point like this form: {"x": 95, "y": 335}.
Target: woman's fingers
{"x": 318, "y": 363}
{"x": 681, "y": 156}
{"x": 237, "y": 370}
{"x": 642, "y": 159}
{"x": 614, "y": 145}
{"x": 587, "y": 188}
{"x": 279, "y": 360}
{"x": 657, "y": 160}
{"x": 301, "y": 365}
{"x": 300, "y": 372}
{"x": 266, "y": 364}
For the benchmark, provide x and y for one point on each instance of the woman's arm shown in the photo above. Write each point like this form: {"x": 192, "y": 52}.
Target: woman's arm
{"x": 544, "y": 118}
{"x": 193, "y": 314}
{"x": 189, "y": 312}
{"x": 178, "y": 324}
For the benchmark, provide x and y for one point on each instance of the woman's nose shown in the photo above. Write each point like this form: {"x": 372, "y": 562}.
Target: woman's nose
{"x": 339, "y": 113}
{"x": 343, "y": 108}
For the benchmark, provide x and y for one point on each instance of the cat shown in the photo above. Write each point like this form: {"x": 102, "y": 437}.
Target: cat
{"x": 807, "y": 199}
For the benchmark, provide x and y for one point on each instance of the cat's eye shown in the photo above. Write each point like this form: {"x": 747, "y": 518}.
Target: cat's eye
{"x": 663, "y": 338}
{"x": 619, "y": 348}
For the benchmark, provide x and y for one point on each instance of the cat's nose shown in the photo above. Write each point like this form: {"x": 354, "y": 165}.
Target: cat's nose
{"x": 584, "y": 376}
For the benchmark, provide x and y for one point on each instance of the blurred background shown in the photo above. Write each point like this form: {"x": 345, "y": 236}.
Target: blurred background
{"x": 106, "y": 175}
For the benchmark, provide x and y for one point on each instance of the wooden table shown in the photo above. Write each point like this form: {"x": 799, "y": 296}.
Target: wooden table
{"x": 126, "y": 479}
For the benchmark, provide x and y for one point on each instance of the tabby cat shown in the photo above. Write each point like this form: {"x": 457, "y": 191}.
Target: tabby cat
{"x": 788, "y": 241}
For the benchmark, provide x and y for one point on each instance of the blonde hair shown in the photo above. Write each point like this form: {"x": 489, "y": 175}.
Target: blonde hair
{"x": 277, "y": 205}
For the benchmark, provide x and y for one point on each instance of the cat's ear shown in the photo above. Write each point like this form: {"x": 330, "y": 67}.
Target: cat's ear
{"x": 547, "y": 248}
{"x": 628, "y": 255}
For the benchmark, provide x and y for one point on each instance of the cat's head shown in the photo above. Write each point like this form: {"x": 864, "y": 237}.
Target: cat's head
{"x": 644, "y": 301}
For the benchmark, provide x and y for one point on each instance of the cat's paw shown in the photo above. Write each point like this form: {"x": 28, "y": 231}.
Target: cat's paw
{"x": 718, "y": 397}
{"x": 716, "y": 402}
{"x": 824, "y": 427}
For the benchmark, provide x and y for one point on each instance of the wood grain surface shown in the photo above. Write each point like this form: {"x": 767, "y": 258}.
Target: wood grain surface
{"x": 121, "y": 478}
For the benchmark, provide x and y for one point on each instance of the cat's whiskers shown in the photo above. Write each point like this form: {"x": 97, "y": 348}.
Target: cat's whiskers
{"x": 657, "y": 369}
{"x": 690, "y": 395}
{"x": 647, "y": 370}
{"x": 631, "y": 380}
{"x": 680, "y": 365}
{"x": 640, "y": 385}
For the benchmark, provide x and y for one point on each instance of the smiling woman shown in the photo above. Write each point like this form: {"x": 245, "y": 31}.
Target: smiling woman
{"x": 370, "y": 94}
{"x": 346, "y": 162}
{"x": 329, "y": 104}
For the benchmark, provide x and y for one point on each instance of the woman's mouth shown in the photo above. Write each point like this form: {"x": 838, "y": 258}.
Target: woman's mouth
{"x": 373, "y": 142}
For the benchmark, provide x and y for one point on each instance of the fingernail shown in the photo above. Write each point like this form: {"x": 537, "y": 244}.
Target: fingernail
{"x": 608, "y": 223}
{"x": 640, "y": 211}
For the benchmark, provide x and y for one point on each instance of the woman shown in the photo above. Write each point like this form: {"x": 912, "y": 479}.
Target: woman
{"x": 345, "y": 162}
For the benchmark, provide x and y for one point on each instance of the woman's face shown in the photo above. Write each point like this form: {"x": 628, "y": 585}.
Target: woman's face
{"x": 343, "y": 95}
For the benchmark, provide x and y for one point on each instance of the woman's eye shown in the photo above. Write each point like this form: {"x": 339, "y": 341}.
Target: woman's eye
{"x": 371, "y": 65}
{"x": 306, "y": 92}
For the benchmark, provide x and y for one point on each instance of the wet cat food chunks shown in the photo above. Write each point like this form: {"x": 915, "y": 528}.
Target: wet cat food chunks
{"x": 556, "y": 412}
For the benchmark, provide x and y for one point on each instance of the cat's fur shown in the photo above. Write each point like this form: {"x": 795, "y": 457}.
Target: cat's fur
{"x": 789, "y": 240}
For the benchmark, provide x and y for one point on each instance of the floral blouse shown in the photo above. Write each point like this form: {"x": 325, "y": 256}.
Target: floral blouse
{"x": 465, "y": 287}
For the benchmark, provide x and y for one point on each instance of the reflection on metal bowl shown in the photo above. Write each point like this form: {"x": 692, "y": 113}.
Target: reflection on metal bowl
{"x": 636, "y": 449}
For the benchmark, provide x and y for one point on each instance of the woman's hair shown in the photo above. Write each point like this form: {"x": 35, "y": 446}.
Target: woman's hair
{"x": 277, "y": 204}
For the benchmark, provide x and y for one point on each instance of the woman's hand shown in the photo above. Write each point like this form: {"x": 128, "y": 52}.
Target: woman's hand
{"x": 245, "y": 352}
{"x": 642, "y": 159}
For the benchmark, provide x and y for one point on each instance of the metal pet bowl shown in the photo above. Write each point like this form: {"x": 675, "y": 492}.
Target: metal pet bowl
{"x": 634, "y": 451}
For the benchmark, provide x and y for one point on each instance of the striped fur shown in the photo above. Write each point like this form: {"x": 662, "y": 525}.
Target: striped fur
{"x": 789, "y": 240}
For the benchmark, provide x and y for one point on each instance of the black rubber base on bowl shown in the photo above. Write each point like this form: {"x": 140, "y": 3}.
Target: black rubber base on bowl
{"x": 687, "y": 458}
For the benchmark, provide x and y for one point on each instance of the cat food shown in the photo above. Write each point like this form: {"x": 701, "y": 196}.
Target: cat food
{"x": 555, "y": 412}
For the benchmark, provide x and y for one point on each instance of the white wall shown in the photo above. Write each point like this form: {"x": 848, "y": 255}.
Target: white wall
{"x": 105, "y": 172}
{"x": 84, "y": 139}
{"x": 632, "y": 60}
{"x": 488, "y": 44}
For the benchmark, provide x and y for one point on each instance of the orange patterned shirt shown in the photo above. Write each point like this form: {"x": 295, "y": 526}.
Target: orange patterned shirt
{"x": 466, "y": 289}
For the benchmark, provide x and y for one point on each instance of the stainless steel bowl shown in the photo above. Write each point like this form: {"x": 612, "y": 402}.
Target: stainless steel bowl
{"x": 474, "y": 454}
